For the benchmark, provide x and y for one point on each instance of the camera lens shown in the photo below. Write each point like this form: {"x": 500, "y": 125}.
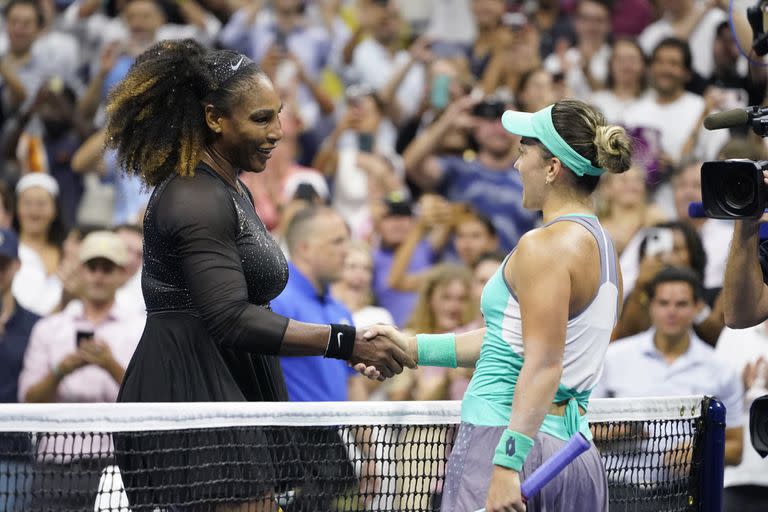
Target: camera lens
{"x": 758, "y": 425}
{"x": 739, "y": 190}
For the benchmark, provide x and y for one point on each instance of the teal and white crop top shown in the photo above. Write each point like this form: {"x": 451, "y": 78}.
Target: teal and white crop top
{"x": 488, "y": 400}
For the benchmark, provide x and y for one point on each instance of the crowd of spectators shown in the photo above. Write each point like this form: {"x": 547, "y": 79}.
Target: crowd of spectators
{"x": 392, "y": 129}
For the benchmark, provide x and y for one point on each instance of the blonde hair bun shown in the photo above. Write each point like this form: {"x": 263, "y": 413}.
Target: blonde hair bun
{"x": 614, "y": 148}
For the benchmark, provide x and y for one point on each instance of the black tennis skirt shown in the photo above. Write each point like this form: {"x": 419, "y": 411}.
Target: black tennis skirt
{"x": 194, "y": 470}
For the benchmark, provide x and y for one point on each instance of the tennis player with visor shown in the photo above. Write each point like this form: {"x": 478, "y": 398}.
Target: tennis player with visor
{"x": 549, "y": 311}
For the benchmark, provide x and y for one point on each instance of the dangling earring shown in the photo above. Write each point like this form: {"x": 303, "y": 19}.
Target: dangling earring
{"x": 548, "y": 181}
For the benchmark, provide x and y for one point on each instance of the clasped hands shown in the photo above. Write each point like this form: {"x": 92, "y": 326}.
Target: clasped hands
{"x": 381, "y": 352}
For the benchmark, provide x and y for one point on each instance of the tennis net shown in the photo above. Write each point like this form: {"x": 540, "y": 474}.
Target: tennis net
{"x": 659, "y": 454}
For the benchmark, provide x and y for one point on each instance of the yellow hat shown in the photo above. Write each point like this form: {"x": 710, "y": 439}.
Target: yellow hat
{"x": 104, "y": 244}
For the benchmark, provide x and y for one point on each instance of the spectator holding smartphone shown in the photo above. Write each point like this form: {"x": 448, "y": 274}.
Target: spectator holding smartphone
{"x": 488, "y": 181}
{"x": 585, "y": 66}
{"x": 728, "y": 83}
{"x": 80, "y": 355}
{"x": 359, "y": 157}
{"x": 293, "y": 52}
{"x": 669, "y": 243}
{"x": 625, "y": 212}
{"x": 59, "y": 369}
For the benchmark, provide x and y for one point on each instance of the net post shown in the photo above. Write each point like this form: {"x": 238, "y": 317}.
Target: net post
{"x": 713, "y": 457}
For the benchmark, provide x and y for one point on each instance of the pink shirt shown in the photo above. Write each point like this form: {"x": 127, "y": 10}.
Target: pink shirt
{"x": 53, "y": 338}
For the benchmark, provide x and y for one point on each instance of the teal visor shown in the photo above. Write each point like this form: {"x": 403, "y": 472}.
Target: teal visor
{"x": 539, "y": 126}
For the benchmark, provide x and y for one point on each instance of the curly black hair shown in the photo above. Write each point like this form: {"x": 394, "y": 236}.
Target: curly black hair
{"x": 155, "y": 115}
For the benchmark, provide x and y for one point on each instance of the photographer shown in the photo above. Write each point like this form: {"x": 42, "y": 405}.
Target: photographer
{"x": 744, "y": 288}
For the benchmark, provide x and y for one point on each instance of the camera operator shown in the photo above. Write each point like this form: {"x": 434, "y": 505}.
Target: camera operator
{"x": 746, "y": 274}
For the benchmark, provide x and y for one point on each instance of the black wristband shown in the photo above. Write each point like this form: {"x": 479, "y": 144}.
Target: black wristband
{"x": 341, "y": 342}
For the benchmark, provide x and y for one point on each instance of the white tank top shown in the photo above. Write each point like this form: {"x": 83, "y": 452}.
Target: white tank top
{"x": 488, "y": 400}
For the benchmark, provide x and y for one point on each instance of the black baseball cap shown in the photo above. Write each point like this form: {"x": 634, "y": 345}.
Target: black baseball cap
{"x": 397, "y": 204}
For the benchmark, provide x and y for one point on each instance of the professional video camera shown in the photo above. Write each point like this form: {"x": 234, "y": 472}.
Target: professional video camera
{"x": 758, "y": 425}
{"x": 733, "y": 189}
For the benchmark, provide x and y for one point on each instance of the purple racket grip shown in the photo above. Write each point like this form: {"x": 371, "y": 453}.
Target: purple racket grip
{"x": 577, "y": 445}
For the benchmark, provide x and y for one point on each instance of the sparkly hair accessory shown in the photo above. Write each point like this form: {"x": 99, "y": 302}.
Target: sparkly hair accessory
{"x": 225, "y": 64}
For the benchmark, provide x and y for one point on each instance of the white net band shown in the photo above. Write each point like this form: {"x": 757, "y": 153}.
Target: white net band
{"x": 136, "y": 417}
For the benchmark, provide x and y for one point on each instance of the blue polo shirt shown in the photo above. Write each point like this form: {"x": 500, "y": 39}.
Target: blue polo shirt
{"x": 13, "y": 344}
{"x": 314, "y": 378}
{"x": 496, "y": 194}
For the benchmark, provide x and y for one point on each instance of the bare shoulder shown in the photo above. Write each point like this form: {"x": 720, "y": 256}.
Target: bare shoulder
{"x": 538, "y": 249}
{"x": 559, "y": 240}
{"x": 534, "y": 245}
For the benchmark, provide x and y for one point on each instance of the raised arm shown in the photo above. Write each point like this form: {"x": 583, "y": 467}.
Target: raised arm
{"x": 433, "y": 220}
{"x": 421, "y": 163}
{"x": 419, "y": 53}
{"x": 745, "y": 294}
{"x": 89, "y": 156}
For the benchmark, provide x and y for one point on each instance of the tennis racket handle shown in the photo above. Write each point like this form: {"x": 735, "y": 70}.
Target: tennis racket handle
{"x": 577, "y": 445}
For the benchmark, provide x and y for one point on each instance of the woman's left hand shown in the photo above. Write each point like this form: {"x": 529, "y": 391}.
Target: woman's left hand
{"x": 504, "y": 493}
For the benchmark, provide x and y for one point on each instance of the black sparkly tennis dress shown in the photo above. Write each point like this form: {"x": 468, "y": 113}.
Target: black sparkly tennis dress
{"x": 210, "y": 271}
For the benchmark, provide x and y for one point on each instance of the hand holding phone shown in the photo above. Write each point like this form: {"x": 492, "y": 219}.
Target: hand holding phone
{"x": 82, "y": 336}
{"x": 659, "y": 241}
{"x": 281, "y": 41}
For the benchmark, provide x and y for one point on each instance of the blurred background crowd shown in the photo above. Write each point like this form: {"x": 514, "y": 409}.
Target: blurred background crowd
{"x": 394, "y": 190}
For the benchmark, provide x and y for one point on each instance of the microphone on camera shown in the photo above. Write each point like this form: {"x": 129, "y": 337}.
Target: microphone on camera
{"x": 733, "y": 118}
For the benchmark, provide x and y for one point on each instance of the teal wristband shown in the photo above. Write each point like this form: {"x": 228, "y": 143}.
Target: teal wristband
{"x": 437, "y": 350}
{"x": 512, "y": 450}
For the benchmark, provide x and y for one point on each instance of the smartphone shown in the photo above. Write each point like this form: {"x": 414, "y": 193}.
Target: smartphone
{"x": 281, "y": 40}
{"x": 447, "y": 49}
{"x": 489, "y": 109}
{"x": 82, "y": 336}
{"x": 365, "y": 142}
{"x": 439, "y": 95}
{"x": 659, "y": 241}
{"x": 306, "y": 192}
{"x": 514, "y": 20}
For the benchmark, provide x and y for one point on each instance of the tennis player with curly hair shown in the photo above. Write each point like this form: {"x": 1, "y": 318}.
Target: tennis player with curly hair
{"x": 187, "y": 121}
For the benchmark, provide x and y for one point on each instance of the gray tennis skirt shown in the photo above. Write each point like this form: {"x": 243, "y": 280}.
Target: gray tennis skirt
{"x": 580, "y": 487}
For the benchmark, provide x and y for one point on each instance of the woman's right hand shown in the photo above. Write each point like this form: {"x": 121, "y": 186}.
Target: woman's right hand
{"x": 405, "y": 351}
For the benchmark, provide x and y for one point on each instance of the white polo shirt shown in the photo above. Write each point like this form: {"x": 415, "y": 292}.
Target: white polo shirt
{"x": 634, "y": 367}
{"x": 737, "y": 347}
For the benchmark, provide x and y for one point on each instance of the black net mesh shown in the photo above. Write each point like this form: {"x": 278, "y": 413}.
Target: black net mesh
{"x": 650, "y": 465}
